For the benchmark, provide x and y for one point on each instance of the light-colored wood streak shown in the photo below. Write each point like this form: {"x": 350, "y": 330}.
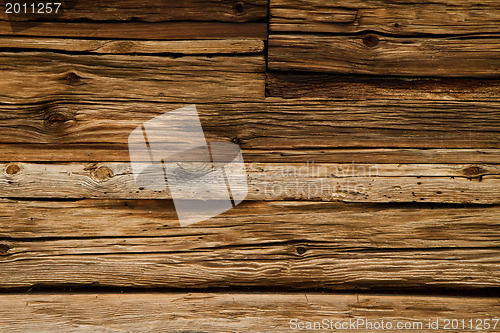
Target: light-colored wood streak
{"x": 397, "y": 17}
{"x": 338, "y": 225}
{"x": 231, "y": 312}
{"x": 31, "y": 76}
{"x": 476, "y": 184}
{"x": 110, "y": 46}
{"x": 423, "y": 56}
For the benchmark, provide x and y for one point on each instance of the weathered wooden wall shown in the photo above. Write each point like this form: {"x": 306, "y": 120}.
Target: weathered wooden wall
{"x": 371, "y": 133}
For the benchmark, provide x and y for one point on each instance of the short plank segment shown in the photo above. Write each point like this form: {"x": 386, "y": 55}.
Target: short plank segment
{"x": 384, "y": 55}
{"x": 143, "y": 30}
{"x": 110, "y": 46}
{"x": 232, "y": 312}
{"x": 158, "y": 11}
{"x": 38, "y": 76}
{"x": 477, "y": 184}
{"x": 321, "y": 86}
{"x": 439, "y": 17}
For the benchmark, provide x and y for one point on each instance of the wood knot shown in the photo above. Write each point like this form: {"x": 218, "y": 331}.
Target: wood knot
{"x": 239, "y": 7}
{"x": 4, "y": 248}
{"x": 12, "y": 169}
{"x": 473, "y": 171}
{"x": 55, "y": 121}
{"x": 237, "y": 140}
{"x": 72, "y": 79}
{"x": 102, "y": 173}
{"x": 301, "y": 250}
{"x": 370, "y": 40}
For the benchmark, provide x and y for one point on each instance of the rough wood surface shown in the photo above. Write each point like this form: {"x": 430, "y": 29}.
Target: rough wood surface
{"x": 231, "y": 312}
{"x": 385, "y": 226}
{"x": 384, "y": 55}
{"x": 159, "y": 11}
{"x": 220, "y": 46}
{"x": 395, "y": 17}
{"x": 44, "y": 76}
{"x": 85, "y": 122}
{"x": 478, "y": 184}
{"x": 191, "y": 262}
{"x": 143, "y": 30}
{"x": 320, "y": 86}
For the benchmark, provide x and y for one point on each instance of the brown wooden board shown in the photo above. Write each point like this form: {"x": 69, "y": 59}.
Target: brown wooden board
{"x": 238, "y": 312}
{"x": 455, "y": 183}
{"x": 387, "y": 55}
{"x": 65, "y": 117}
{"x": 438, "y": 17}
{"x": 282, "y": 244}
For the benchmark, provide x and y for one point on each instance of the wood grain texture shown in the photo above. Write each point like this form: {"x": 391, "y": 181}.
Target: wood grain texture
{"x": 189, "y": 262}
{"x": 478, "y": 184}
{"x": 395, "y": 17}
{"x": 142, "y": 30}
{"x": 47, "y": 76}
{"x": 111, "y": 46}
{"x": 321, "y": 86}
{"x": 384, "y": 226}
{"x": 159, "y": 11}
{"x": 384, "y": 55}
{"x": 229, "y": 312}
{"x": 85, "y": 122}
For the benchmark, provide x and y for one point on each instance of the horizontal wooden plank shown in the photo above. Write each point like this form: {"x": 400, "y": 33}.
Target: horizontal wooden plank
{"x": 189, "y": 262}
{"x": 307, "y": 181}
{"x": 43, "y": 76}
{"x": 85, "y": 121}
{"x": 382, "y": 226}
{"x": 384, "y": 55}
{"x": 238, "y": 312}
{"x": 220, "y": 46}
{"x": 155, "y": 11}
{"x": 322, "y": 86}
{"x": 142, "y": 30}
{"x": 395, "y": 17}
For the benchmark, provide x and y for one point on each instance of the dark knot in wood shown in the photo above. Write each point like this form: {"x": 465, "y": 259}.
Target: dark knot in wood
{"x": 370, "y": 40}
{"x": 239, "y": 8}
{"x": 55, "y": 121}
{"x": 301, "y": 250}
{"x": 72, "y": 79}
{"x": 12, "y": 169}
{"x": 473, "y": 171}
